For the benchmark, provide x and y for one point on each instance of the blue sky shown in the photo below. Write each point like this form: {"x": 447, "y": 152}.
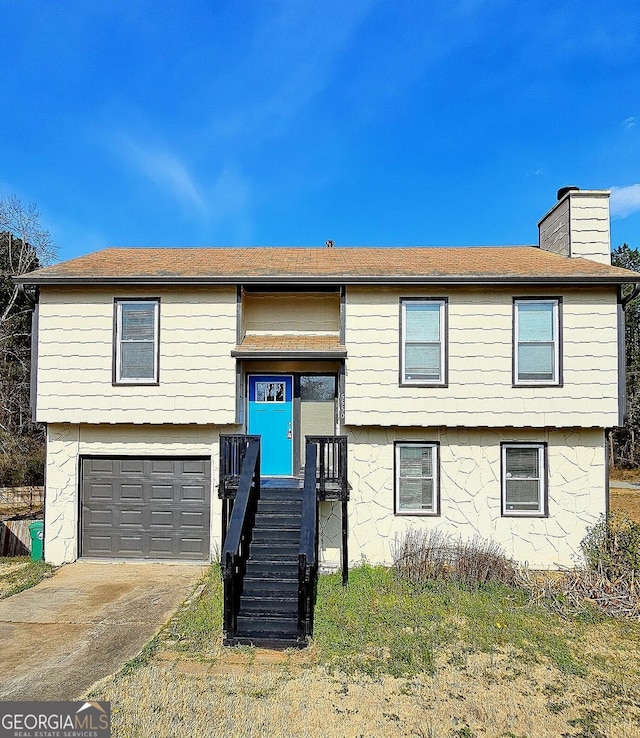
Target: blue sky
{"x": 290, "y": 122}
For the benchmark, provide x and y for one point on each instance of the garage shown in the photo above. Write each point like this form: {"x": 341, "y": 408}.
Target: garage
{"x": 145, "y": 508}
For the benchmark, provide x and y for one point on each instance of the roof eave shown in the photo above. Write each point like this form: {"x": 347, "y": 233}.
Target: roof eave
{"x": 167, "y": 281}
{"x": 292, "y": 354}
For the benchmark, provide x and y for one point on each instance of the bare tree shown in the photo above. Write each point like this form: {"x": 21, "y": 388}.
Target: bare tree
{"x": 24, "y": 246}
{"x": 625, "y": 441}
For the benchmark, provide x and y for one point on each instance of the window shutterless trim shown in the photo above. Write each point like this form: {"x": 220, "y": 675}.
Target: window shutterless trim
{"x": 435, "y": 445}
{"x": 127, "y": 382}
{"x": 444, "y": 342}
{"x": 558, "y": 381}
{"x": 543, "y": 483}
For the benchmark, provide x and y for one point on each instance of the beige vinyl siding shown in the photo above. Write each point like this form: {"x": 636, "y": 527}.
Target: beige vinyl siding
{"x": 555, "y": 232}
{"x": 480, "y": 347}
{"x": 578, "y": 226}
{"x": 291, "y": 314}
{"x": 590, "y": 228}
{"x": 75, "y": 359}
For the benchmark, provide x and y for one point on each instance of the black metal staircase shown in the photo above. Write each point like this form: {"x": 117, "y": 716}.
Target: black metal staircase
{"x": 270, "y": 540}
{"x": 269, "y": 602}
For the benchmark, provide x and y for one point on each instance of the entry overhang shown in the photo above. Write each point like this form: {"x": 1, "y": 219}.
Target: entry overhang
{"x": 299, "y": 346}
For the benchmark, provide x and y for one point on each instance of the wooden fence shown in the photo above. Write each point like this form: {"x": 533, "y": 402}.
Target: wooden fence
{"x": 19, "y": 507}
{"x": 14, "y": 537}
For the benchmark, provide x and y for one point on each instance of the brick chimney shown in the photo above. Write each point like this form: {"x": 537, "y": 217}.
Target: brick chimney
{"x": 578, "y": 225}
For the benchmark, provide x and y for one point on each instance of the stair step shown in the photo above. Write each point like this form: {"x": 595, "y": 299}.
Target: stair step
{"x": 279, "y": 507}
{"x": 270, "y": 605}
{"x": 266, "y": 627}
{"x": 283, "y": 501}
{"x": 275, "y": 536}
{"x": 275, "y": 551}
{"x": 275, "y": 644}
{"x": 280, "y": 495}
{"x": 269, "y": 586}
{"x": 278, "y": 520}
{"x": 272, "y": 569}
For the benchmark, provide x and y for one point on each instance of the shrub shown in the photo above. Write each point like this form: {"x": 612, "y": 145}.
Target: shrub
{"x": 22, "y": 460}
{"x": 423, "y": 555}
{"x": 612, "y": 546}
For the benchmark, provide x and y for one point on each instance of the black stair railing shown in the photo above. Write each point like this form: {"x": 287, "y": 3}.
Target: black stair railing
{"x": 235, "y": 546}
{"x": 308, "y": 554}
{"x": 332, "y": 483}
{"x": 331, "y": 467}
{"x": 233, "y": 448}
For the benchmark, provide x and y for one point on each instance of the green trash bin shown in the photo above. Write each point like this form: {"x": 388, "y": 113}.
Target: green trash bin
{"x": 36, "y": 531}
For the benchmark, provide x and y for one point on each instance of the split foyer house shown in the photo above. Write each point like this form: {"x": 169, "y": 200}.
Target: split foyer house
{"x": 474, "y": 387}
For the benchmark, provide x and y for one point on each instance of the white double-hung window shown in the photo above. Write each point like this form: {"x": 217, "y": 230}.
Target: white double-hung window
{"x": 416, "y": 479}
{"x": 524, "y": 479}
{"x": 536, "y": 345}
{"x": 423, "y": 341}
{"x": 136, "y": 349}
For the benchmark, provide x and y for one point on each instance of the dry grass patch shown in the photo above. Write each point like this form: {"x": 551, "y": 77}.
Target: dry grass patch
{"x": 625, "y": 501}
{"x": 19, "y": 573}
{"x": 487, "y": 695}
{"x": 625, "y": 475}
{"x": 389, "y": 659}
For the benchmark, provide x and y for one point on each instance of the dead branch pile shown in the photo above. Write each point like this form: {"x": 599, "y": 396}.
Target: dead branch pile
{"x": 570, "y": 591}
{"x": 423, "y": 555}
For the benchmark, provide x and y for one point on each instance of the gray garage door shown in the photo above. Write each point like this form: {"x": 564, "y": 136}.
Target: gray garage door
{"x": 145, "y": 508}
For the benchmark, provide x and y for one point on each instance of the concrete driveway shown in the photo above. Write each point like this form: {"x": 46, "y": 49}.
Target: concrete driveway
{"x": 84, "y": 623}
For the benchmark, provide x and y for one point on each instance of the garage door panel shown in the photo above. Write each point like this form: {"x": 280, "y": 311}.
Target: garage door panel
{"x": 100, "y": 516}
{"x": 131, "y": 518}
{"x": 192, "y": 519}
{"x": 100, "y": 545}
{"x": 196, "y": 466}
{"x": 162, "y": 466}
{"x": 129, "y": 543}
{"x": 192, "y": 493}
{"x": 98, "y": 492}
{"x": 146, "y": 508}
{"x": 161, "y": 547}
{"x": 129, "y": 492}
{"x": 98, "y": 466}
{"x": 161, "y": 493}
{"x": 129, "y": 466}
{"x": 193, "y": 548}
{"x": 162, "y": 519}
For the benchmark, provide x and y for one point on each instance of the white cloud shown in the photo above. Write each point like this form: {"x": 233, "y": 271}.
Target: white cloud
{"x": 629, "y": 122}
{"x": 165, "y": 170}
{"x": 625, "y": 200}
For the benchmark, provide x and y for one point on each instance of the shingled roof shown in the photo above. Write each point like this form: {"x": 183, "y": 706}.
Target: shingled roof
{"x": 325, "y": 265}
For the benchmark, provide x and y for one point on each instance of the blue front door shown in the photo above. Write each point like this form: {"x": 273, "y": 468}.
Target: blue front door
{"x": 271, "y": 417}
